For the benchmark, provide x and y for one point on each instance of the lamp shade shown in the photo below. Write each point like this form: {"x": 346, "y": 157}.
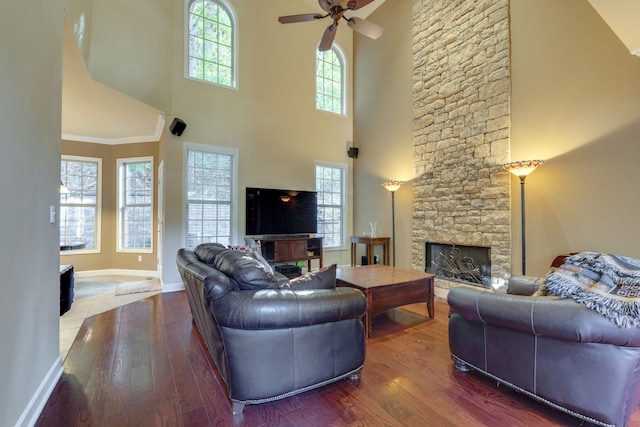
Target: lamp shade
{"x": 522, "y": 168}
{"x": 392, "y": 185}
{"x": 63, "y": 189}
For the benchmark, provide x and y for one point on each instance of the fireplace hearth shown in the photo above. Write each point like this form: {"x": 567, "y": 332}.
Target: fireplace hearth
{"x": 468, "y": 264}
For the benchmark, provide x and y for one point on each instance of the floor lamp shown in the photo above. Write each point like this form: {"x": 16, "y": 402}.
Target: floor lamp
{"x": 393, "y": 187}
{"x": 522, "y": 169}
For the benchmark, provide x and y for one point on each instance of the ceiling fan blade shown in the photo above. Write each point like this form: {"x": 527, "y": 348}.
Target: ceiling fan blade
{"x": 326, "y": 5}
{"x": 365, "y": 28}
{"x": 357, "y": 4}
{"x": 327, "y": 37}
{"x": 299, "y": 18}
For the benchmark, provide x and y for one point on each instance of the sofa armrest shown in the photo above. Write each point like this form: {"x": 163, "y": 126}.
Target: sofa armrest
{"x": 563, "y": 319}
{"x": 280, "y": 308}
{"x": 523, "y": 285}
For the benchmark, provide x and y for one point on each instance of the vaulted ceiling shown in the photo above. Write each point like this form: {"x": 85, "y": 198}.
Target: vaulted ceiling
{"x": 93, "y": 112}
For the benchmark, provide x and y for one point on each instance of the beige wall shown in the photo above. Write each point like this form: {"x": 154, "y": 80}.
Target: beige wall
{"x": 271, "y": 118}
{"x": 574, "y": 89}
{"x": 30, "y": 119}
{"x": 127, "y": 45}
{"x": 109, "y": 258}
{"x": 576, "y": 104}
{"x": 383, "y": 128}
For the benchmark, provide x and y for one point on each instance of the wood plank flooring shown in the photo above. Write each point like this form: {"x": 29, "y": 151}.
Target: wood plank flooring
{"x": 144, "y": 364}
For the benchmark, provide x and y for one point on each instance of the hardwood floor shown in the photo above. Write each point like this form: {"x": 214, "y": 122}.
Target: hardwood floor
{"x": 144, "y": 364}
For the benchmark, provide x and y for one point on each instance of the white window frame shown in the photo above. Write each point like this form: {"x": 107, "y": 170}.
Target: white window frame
{"x": 233, "y": 233}
{"x": 343, "y": 203}
{"x": 121, "y": 163}
{"x": 234, "y": 48}
{"x": 337, "y": 50}
{"x": 97, "y": 206}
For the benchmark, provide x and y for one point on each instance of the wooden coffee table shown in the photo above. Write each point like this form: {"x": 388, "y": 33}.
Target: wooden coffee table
{"x": 388, "y": 287}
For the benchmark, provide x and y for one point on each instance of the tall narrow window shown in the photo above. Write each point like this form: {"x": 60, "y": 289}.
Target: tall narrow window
{"x": 211, "y": 52}
{"x": 211, "y": 194}
{"x": 330, "y": 81}
{"x": 331, "y": 188}
{"x": 135, "y": 204}
{"x": 80, "y": 202}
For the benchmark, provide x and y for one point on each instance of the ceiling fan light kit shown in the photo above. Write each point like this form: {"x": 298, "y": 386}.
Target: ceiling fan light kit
{"x": 335, "y": 9}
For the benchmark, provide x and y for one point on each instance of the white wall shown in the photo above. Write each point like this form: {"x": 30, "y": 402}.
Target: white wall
{"x": 30, "y": 118}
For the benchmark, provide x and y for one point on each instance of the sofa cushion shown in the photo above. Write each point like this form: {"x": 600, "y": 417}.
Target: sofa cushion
{"x": 207, "y": 252}
{"x": 325, "y": 278}
{"x": 245, "y": 270}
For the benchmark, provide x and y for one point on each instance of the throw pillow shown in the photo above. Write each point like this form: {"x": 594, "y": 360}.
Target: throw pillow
{"x": 249, "y": 273}
{"x": 207, "y": 252}
{"x": 325, "y": 278}
{"x": 243, "y": 268}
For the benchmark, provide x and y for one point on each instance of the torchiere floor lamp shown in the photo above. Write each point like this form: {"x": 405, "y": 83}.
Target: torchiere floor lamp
{"x": 521, "y": 169}
{"x": 393, "y": 187}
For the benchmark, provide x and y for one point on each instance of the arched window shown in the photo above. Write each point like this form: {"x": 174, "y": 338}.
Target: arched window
{"x": 211, "y": 52}
{"x": 330, "y": 81}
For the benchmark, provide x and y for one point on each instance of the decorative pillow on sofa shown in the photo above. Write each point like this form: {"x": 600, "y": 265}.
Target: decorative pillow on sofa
{"x": 207, "y": 252}
{"x": 255, "y": 250}
{"x": 249, "y": 273}
{"x": 325, "y": 278}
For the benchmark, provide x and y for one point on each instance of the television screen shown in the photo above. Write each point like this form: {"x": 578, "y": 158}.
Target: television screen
{"x": 277, "y": 212}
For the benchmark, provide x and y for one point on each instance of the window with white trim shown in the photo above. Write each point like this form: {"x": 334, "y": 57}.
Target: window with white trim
{"x": 211, "y": 42}
{"x": 80, "y": 203}
{"x": 330, "y": 81}
{"x": 210, "y": 195}
{"x": 331, "y": 188}
{"x": 135, "y": 204}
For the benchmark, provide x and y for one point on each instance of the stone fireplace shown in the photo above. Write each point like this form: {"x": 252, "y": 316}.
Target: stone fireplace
{"x": 459, "y": 263}
{"x": 461, "y": 116}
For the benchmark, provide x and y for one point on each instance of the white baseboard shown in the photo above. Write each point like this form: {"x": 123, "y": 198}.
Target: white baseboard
{"x": 117, "y": 272}
{"x": 36, "y": 405}
{"x": 172, "y": 287}
{"x": 166, "y": 287}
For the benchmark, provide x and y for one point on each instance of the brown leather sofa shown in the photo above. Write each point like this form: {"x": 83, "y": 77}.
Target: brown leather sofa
{"x": 268, "y": 340}
{"x": 555, "y": 350}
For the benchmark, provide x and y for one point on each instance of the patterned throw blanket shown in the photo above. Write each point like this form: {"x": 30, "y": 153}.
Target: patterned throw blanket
{"x": 606, "y": 283}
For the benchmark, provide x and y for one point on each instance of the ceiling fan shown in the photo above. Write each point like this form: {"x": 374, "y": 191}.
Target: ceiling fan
{"x": 335, "y": 9}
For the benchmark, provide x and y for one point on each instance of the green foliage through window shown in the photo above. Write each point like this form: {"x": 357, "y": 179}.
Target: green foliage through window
{"x": 210, "y": 197}
{"x": 79, "y": 207}
{"x": 330, "y": 185}
{"x": 211, "y": 43}
{"x": 329, "y": 82}
{"x": 136, "y": 210}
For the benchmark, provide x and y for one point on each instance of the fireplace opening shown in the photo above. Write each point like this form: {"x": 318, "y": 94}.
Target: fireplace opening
{"x": 469, "y": 264}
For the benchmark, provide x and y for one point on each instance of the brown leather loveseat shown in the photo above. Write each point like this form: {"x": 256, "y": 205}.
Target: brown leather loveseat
{"x": 269, "y": 340}
{"x": 555, "y": 350}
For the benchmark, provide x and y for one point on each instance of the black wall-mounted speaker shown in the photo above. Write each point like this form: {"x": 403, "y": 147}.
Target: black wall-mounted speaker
{"x": 177, "y": 126}
{"x": 352, "y": 152}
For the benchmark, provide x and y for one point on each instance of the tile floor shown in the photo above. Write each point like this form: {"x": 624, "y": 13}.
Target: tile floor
{"x": 94, "y": 295}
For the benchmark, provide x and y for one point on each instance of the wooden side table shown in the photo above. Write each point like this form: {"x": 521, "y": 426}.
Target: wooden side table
{"x": 371, "y": 242}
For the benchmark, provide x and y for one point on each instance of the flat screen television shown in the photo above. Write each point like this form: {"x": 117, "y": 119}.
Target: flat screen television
{"x": 281, "y": 212}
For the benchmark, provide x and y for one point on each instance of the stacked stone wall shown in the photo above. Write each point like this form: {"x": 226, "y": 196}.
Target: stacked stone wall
{"x": 461, "y": 98}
